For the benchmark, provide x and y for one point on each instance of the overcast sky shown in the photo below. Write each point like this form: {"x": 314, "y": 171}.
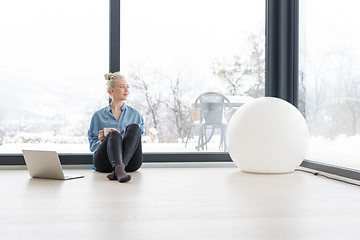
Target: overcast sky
{"x": 58, "y": 51}
{"x": 60, "y": 48}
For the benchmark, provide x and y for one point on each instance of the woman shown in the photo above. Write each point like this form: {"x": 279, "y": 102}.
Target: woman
{"x": 120, "y": 150}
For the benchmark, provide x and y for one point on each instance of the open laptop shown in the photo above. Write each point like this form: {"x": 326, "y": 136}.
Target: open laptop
{"x": 45, "y": 164}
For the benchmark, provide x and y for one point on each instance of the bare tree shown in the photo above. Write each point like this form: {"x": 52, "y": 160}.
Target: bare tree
{"x": 257, "y": 65}
{"x": 245, "y": 75}
{"x": 353, "y": 104}
{"x": 350, "y": 97}
{"x": 178, "y": 107}
{"x": 332, "y": 95}
{"x": 148, "y": 98}
{"x": 232, "y": 74}
{"x": 315, "y": 94}
{"x": 2, "y": 128}
{"x": 302, "y": 94}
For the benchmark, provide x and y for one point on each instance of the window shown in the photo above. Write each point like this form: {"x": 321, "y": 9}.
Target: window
{"x": 53, "y": 58}
{"x": 329, "y": 82}
{"x": 173, "y": 51}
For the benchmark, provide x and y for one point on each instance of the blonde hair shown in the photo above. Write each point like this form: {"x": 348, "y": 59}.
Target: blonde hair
{"x": 110, "y": 80}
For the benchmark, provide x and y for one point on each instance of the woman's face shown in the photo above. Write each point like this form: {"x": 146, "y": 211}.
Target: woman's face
{"x": 121, "y": 90}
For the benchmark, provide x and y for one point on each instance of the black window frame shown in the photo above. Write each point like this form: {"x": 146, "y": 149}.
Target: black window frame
{"x": 281, "y": 80}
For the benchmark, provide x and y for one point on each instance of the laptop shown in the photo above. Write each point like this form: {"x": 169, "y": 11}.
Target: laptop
{"x": 45, "y": 164}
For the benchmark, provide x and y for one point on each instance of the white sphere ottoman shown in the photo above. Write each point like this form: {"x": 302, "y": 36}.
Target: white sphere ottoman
{"x": 267, "y": 135}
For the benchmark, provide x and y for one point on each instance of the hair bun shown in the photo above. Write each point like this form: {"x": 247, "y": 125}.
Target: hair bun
{"x": 108, "y": 76}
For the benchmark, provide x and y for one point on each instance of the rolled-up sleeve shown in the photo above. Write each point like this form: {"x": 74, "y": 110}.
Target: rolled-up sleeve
{"x": 93, "y": 136}
{"x": 141, "y": 124}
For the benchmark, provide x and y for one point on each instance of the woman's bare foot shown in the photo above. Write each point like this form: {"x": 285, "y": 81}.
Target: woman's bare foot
{"x": 120, "y": 173}
{"x": 112, "y": 176}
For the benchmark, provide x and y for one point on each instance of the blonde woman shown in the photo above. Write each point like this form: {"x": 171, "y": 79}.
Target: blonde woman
{"x": 120, "y": 150}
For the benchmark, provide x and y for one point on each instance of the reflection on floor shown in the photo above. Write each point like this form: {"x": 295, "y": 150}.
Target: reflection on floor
{"x": 178, "y": 203}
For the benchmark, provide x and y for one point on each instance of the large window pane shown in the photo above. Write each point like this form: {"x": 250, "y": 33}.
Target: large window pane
{"x": 53, "y": 58}
{"x": 330, "y": 79}
{"x": 173, "y": 51}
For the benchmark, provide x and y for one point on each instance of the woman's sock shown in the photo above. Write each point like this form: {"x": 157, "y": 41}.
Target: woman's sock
{"x": 120, "y": 173}
{"x": 112, "y": 176}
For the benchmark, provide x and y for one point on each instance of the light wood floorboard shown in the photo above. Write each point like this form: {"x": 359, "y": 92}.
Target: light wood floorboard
{"x": 178, "y": 203}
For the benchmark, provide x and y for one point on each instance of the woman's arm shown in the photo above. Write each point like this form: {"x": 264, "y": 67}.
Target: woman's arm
{"x": 93, "y": 136}
{"x": 141, "y": 125}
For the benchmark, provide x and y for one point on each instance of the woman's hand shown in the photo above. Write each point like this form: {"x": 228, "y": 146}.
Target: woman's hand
{"x": 101, "y": 135}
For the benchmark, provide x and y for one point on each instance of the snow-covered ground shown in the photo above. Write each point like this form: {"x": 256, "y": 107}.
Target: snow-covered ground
{"x": 343, "y": 151}
{"x": 14, "y": 147}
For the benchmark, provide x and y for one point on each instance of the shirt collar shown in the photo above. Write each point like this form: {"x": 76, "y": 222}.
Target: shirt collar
{"x": 123, "y": 107}
{"x": 108, "y": 108}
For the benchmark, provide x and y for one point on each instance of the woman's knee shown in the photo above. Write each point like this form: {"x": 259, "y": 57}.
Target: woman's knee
{"x": 134, "y": 128}
{"x": 114, "y": 134}
{"x": 133, "y": 166}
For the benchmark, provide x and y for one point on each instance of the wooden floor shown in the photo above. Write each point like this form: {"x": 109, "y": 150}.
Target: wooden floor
{"x": 178, "y": 203}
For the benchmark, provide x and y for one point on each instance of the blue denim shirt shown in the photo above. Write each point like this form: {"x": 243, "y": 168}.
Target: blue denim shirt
{"x": 105, "y": 118}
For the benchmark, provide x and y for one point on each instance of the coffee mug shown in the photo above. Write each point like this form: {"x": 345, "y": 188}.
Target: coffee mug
{"x": 107, "y": 130}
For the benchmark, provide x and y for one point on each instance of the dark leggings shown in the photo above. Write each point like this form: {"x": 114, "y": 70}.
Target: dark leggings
{"x": 114, "y": 150}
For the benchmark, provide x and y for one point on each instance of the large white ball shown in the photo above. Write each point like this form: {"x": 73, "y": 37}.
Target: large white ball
{"x": 267, "y": 135}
